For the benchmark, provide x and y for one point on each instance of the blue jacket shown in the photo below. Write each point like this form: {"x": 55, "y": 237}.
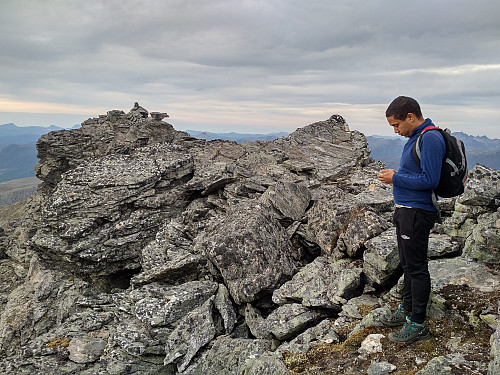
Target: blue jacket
{"x": 413, "y": 183}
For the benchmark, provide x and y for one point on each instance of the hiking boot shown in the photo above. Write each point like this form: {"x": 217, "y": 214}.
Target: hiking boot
{"x": 397, "y": 318}
{"x": 410, "y": 332}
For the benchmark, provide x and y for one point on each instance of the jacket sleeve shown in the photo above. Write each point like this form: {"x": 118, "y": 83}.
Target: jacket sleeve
{"x": 433, "y": 150}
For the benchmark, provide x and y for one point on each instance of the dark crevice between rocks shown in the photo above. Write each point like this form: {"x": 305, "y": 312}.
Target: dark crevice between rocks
{"x": 450, "y": 255}
{"x": 311, "y": 250}
{"x": 218, "y": 185}
{"x": 388, "y": 283}
{"x": 116, "y": 280}
{"x": 265, "y": 305}
{"x": 162, "y": 185}
{"x": 192, "y": 195}
{"x": 286, "y": 221}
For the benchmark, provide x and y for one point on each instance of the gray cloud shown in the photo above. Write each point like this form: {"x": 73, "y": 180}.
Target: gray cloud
{"x": 283, "y": 61}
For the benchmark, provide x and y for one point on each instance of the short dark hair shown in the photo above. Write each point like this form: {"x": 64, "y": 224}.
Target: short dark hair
{"x": 401, "y": 106}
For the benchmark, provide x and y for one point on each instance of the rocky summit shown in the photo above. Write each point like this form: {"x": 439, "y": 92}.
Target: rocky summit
{"x": 147, "y": 251}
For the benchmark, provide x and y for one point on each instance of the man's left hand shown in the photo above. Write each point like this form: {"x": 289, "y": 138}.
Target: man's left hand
{"x": 385, "y": 175}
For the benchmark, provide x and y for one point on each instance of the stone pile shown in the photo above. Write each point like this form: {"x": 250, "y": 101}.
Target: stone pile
{"x": 146, "y": 251}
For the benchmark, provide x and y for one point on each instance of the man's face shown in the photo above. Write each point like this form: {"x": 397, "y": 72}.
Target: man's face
{"x": 403, "y": 127}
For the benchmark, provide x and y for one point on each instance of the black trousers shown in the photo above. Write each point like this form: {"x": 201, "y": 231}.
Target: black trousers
{"x": 413, "y": 226}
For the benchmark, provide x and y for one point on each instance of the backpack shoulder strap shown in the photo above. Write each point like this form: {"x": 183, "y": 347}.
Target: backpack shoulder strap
{"x": 416, "y": 146}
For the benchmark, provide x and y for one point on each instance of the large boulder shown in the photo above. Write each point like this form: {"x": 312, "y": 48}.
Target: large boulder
{"x": 325, "y": 149}
{"x": 494, "y": 366}
{"x": 463, "y": 272}
{"x": 483, "y": 244}
{"x": 323, "y": 283}
{"x": 289, "y": 201}
{"x": 251, "y": 250}
{"x": 283, "y": 323}
{"x": 381, "y": 259}
{"x": 170, "y": 258}
{"x": 449, "y": 364}
{"x": 229, "y": 356}
{"x": 101, "y": 214}
{"x": 340, "y": 225}
{"x": 464, "y": 288}
{"x": 161, "y": 305}
{"x": 193, "y": 331}
{"x": 483, "y": 187}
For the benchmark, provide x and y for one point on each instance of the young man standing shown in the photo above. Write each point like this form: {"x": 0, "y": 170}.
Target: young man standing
{"x": 414, "y": 215}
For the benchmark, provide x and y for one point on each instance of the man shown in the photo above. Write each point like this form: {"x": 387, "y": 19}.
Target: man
{"x": 414, "y": 215}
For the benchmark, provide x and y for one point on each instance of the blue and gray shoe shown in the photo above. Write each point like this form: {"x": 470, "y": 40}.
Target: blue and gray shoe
{"x": 397, "y": 318}
{"x": 410, "y": 332}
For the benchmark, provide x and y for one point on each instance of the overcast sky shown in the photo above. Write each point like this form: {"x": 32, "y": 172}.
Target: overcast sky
{"x": 253, "y": 66}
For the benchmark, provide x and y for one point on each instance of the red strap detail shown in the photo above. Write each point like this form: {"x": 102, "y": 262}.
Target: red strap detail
{"x": 431, "y": 127}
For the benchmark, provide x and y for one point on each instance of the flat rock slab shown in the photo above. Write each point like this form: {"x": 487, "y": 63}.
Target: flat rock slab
{"x": 323, "y": 283}
{"x": 460, "y": 271}
{"x": 251, "y": 250}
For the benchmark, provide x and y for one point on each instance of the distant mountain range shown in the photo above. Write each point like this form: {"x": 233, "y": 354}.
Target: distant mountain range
{"x": 236, "y": 137}
{"x": 18, "y": 151}
{"x": 17, "y": 161}
{"x": 482, "y": 150}
{"x": 11, "y": 134}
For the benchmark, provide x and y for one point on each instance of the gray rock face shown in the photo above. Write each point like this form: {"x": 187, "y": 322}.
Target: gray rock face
{"x": 265, "y": 364}
{"x": 102, "y": 214}
{"x": 146, "y": 251}
{"x": 327, "y": 147}
{"x": 86, "y": 350}
{"x": 322, "y": 333}
{"x": 441, "y": 245}
{"x": 460, "y": 271}
{"x": 322, "y": 284}
{"x": 341, "y": 225}
{"x": 255, "y": 258}
{"x": 381, "y": 368}
{"x": 447, "y": 364}
{"x": 169, "y": 257}
{"x": 115, "y": 133}
{"x": 381, "y": 260}
{"x": 483, "y": 244}
{"x": 362, "y": 226}
{"x": 483, "y": 187}
{"x": 494, "y": 366}
{"x": 161, "y": 305}
{"x": 284, "y": 322}
{"x": 229, "y": 356}
{"x": 194, "y": 331}
{"x": 288, "y": 200}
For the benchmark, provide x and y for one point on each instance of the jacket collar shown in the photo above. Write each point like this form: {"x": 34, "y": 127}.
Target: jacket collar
{"x": 421, "y": 127}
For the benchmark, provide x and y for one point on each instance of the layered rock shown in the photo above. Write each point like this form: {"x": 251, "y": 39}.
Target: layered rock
{"x": 147, "y": 251}
{"x": 103, "y": 213}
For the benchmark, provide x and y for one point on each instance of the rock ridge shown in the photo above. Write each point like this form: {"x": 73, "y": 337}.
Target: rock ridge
{"x": 147, "y": 251}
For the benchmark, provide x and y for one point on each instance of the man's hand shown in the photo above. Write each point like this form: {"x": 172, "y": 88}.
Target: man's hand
{"x": 385, "y": 175}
